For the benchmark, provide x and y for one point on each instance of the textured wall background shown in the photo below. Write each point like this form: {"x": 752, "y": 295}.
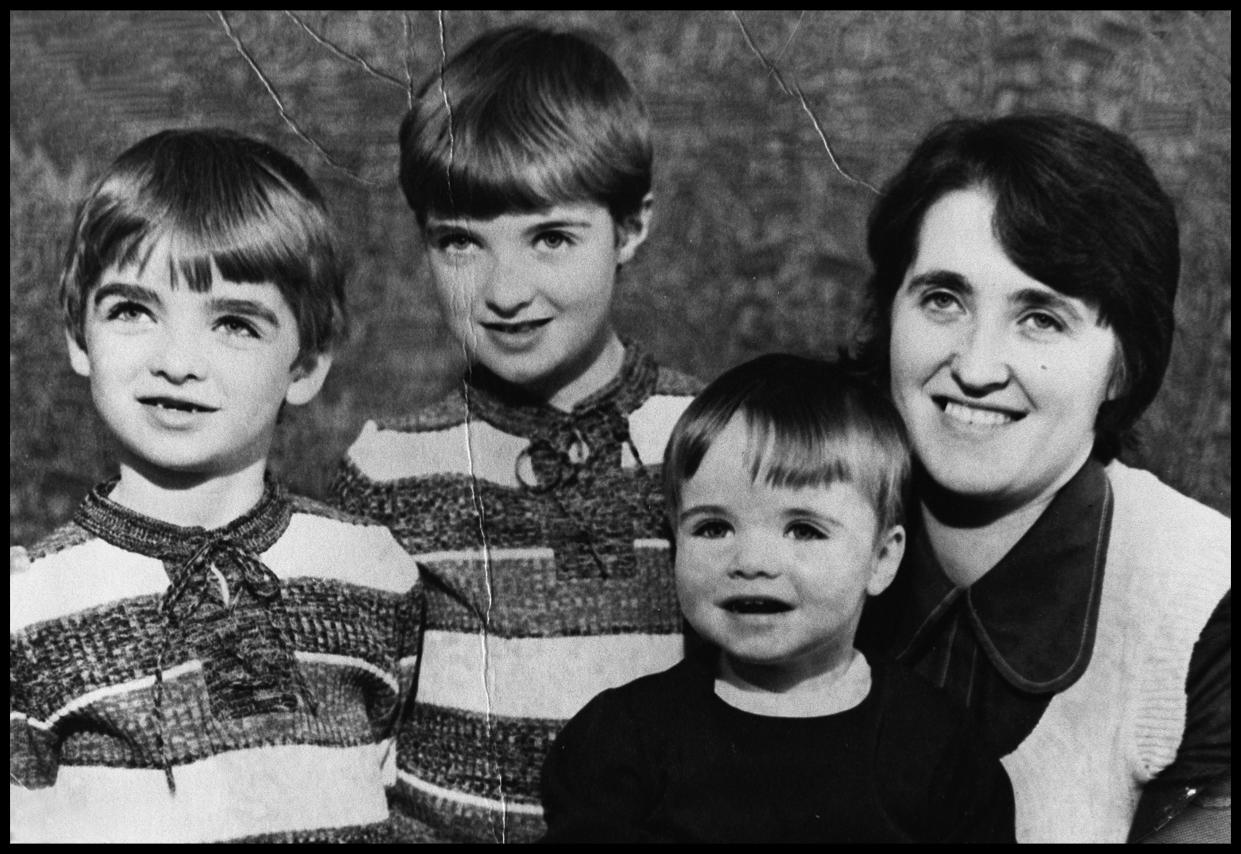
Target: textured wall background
{"x": 758, "y": 240}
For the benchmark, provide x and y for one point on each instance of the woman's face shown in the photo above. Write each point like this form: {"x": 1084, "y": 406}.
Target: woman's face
{"x": 999, "y": 377}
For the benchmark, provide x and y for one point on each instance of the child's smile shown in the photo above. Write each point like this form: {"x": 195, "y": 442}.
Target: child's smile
{"x": 529, "y": 295}
{"x": 189, "y": 382}
{"x": 775, "y": 577}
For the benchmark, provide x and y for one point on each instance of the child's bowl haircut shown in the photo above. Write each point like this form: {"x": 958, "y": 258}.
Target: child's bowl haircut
{"x": 221, "y": 199}
{"x": 523, "y": 119}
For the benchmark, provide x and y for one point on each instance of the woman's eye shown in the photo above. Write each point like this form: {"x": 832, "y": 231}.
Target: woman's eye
{"x": 940, "y": 301}
{"x": 1043, "y": 322}
{"x": 711, "y": 530}
{"x": 805, "y": 531}
{"x": 238, "y": 326}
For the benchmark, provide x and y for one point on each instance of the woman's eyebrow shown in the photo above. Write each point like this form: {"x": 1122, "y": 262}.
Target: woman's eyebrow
{"x": 1049, "y": 299}
{"x": 941, "y": 279}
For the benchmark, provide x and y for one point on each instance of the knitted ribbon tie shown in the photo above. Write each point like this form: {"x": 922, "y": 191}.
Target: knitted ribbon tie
{"x": 563, "y": 463}
{"x": 242, "y": 638}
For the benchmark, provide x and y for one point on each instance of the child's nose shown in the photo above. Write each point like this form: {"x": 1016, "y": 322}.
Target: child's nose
{"x": 511, "y": 286}
{"x": 178, "y": 357}
{"x": 753, "y": 558}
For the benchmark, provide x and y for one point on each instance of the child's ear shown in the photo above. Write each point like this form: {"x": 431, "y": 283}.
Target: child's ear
{"x": 888, "y": 556}
{"x": 633, "y": 231}
{"x": 77, "y": 355}
{"x": 308, "y": 376}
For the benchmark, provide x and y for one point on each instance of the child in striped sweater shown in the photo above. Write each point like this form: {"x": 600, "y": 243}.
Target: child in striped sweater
{"x": 198, "y": 655}
{"x": 529, "y": 495}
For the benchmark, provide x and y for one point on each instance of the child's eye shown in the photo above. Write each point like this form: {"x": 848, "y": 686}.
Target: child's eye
{"x": 711, "y": 529}
{"x": 555, "y": 239}
{"x": 805, "y": 531}
{"x": 234, "y": 325}
{"x": 127, "y": 311}
{"x": 455, "y": 243}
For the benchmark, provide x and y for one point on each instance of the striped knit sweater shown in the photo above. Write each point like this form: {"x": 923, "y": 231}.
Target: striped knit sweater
{"x": 175, "y": 684}
{"x": 544, "y": 549}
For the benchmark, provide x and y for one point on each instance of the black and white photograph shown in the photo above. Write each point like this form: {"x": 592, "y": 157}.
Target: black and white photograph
{"x": 564, "y": 426}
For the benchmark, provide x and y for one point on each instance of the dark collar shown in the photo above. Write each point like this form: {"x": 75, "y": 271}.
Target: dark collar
{"x": 1035, "y": 612}
{"x": 507, "y": 407}
{"x": 256, "y": 531}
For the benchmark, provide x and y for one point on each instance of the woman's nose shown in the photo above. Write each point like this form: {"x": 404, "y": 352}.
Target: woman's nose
{"x": 980, "y": 361}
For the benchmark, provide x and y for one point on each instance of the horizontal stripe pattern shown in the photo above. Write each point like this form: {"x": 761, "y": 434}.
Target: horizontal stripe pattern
{"x": 356, "y": 704}
{"x": 91, "y": 573}
{"x": 85, "y": 636}
{"x": 521, "y": 593}
{"x": 262, "y": 790}
{"x": 474, "y": 448}
{"x": 481, "y": 756}
{"x": 56, "y": 661}
{"x": 540, "y": 677}
{"x": 536, "y": 599}
{"x": 456, "y": 817}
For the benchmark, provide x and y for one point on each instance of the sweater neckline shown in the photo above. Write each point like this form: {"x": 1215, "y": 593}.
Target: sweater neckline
{"x": 255, "y": 531}
{"x": 504, "y": 405}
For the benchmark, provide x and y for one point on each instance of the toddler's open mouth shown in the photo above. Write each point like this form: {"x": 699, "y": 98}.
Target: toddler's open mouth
{"x": 756, "y": 605}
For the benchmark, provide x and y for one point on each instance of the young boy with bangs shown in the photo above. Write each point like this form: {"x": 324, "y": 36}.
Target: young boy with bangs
{"x": 785, "y": 481}
{"x": 530, "y": 494}
{"x": 198, "y": 655}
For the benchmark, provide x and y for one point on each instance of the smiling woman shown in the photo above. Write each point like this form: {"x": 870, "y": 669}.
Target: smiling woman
{"x": 1025, "y": 274}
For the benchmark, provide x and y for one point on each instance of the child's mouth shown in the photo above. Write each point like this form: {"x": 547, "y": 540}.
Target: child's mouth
{"x": 174, "y": 404}
{"x": 756, "y": 605}
{"x": 517, "y": 328}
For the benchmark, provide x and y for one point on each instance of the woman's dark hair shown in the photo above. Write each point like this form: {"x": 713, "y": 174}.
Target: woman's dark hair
{"x": 1077, "y": 207}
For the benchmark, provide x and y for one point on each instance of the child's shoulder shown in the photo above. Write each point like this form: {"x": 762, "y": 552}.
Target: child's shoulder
{"x": 671, "y": 382}
{"x": 325, "y": 542}
{"x": 63, "y": 539}
{"x": 652, "y": 698}
{"x": 336, "y": 530}
{"x": 71, "y": 571}
{"x": 445, "y": 413}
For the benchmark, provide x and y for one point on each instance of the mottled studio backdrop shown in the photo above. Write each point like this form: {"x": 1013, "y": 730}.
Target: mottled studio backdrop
{"x": 758, "y": 237}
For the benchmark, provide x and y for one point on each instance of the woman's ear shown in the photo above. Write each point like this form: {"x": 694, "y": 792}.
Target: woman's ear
{"x": 1118, "y": 382}
{"x": 888, "y": 554}
{"x": 632, "y": 232}
{"x": 308, "y": 376}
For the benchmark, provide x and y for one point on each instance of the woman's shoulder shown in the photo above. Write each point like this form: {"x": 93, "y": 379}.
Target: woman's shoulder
{"x": 1168, "y": 524}
{"x": 1143, "y": 489}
